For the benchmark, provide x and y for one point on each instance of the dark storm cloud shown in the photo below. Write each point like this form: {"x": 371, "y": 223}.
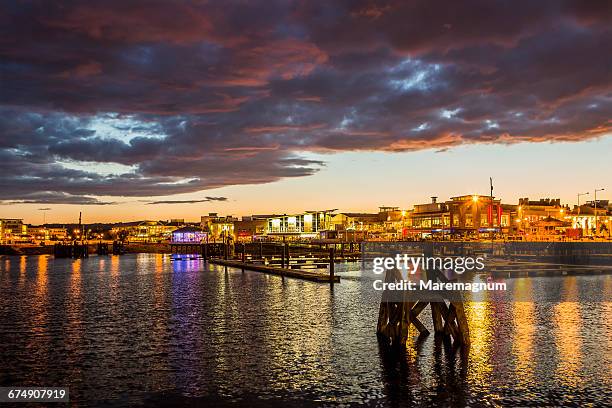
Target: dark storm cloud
{"x": 106, "y": 98}
{"x": 51, "y": 197}
{"x": 204, "y": 200}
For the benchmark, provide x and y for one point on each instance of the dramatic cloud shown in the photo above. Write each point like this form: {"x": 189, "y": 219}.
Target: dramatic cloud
{"x": 49, "y": 197}
{"x": 204, "y": 200}
{"x": 154, "y": 98}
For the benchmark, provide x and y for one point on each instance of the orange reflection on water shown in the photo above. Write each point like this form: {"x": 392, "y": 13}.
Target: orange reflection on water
{"x": 567, "y": 321}
{"x": 524, "y": 330}
{"x": 480, "y": 322}
{"x": 77, "y": 264}
{"x": 114, "y": 265}
{"x": 411, "y": 344}
{"x": 42, "y": 275}
{"x": 39, "y": 303}
{"x": 159, "y": 264}
{"x": 23, "y": 263}
{"x": 74, "y": 290}
{"x": 607, "y": 322}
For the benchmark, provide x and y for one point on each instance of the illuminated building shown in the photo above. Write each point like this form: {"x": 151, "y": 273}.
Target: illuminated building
{"x": 541, "y": 217}
{"x": 249, "y": 228}
{"x": 357, "y": 226}
{"x": 219, "y": 227}
{"x": 461, "y": 216}
{"x": 309, "y": 224}
{"x": 151, "y": 231}
{"x": 583, "y": 218}
{"x": 188, "y": 235}
{"x": 38, "y": 234}
{"x": 12, "y": 230}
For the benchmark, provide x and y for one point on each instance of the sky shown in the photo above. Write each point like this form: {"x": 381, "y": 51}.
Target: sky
{"x": 157, "y": 110}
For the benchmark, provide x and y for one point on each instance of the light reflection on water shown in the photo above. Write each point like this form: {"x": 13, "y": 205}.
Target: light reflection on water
{"x": 123, "y": 329}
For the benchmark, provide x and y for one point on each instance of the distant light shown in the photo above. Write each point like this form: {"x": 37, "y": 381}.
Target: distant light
{"x": 475, "y": 198}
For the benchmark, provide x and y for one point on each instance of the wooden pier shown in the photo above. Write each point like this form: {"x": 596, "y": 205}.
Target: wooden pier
{"x": 291, "y": 273}
{"x": 400, "y": 310}
{"x": 73, "y": 250}
{"x": 395, "y": 317}
{"x": 280, "y": 259}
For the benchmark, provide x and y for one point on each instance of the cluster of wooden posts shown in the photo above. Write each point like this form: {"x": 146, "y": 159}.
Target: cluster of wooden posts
{"x": 79, "y": 250}
{"x": 281, "y": 258}
{"x": 395, "y": 317}
{"x": 74, "y": 250}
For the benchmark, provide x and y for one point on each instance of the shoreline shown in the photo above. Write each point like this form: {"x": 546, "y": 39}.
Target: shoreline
{"x": 526, "y": 249}
{"x": 136, "y": 247}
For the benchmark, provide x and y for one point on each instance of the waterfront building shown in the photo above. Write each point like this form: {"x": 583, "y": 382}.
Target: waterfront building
{"x": 309, "y": 224}
{"x": 551, "y": 228}
{"x": 356, "y": 226}
{"x": 465, "y": 216}
{"x": 12, "y": 230}
{"x": 188, "y": 235}
{"x": 393, "y": 224}
{"x": 250, "y": 228}
{"x": 429, "y": 220}
{"x": 219, "y": 227}
{"x": 587, "y": 216}
{"x": 57, "y": 233}
{"x": 151, "y": 231}
{"x": 38, "y": 233}
{"x": 531, "y": 212}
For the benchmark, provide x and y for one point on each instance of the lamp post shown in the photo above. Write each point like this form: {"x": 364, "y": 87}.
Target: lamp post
{"x": 580, "y": 194}
{"x": 596, "y": 190}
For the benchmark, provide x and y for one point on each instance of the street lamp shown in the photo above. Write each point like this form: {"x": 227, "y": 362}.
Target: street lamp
{"x": 596, "y": 190}
{"x": 580, "y": 194}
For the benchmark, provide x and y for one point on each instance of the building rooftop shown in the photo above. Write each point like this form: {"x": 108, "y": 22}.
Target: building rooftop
{"x": 188, "y": 228}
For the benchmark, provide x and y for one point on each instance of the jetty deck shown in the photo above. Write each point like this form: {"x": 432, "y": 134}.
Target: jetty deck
{"x": 291, "y": 273}
{"x": 512, "y": 269}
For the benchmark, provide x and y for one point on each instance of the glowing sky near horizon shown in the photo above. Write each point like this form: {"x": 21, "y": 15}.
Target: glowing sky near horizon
{"x": 158, "y": 110}
{"x": 360, "y": 182}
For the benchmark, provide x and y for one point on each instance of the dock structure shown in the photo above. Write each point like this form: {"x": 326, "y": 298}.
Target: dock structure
{"x": 286, "y": 272}
{"x": 280, "y": 262}
{"x": 398, "y": 311}
{"x": 102, "y": 248}
{"x": 76, "y": 249}
{"x": 307, "y": 262}
{"x": 118, "y": 248}
{"x": 72, "y": 250}
{"x": 395, "y": 317}
{"x": 206, "y": 250}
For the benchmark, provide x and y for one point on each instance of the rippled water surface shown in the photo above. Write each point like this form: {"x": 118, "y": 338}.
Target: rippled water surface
{"x": 143, "y": 329}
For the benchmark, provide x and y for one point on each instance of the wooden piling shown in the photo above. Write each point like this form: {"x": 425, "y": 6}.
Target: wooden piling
{"x": 290, "y": 273}
{"x": 395, "y": 317}
{"x": 331, "y": 264}
{"x": 287, "y": 257}
{"x": 282, "y": 256}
